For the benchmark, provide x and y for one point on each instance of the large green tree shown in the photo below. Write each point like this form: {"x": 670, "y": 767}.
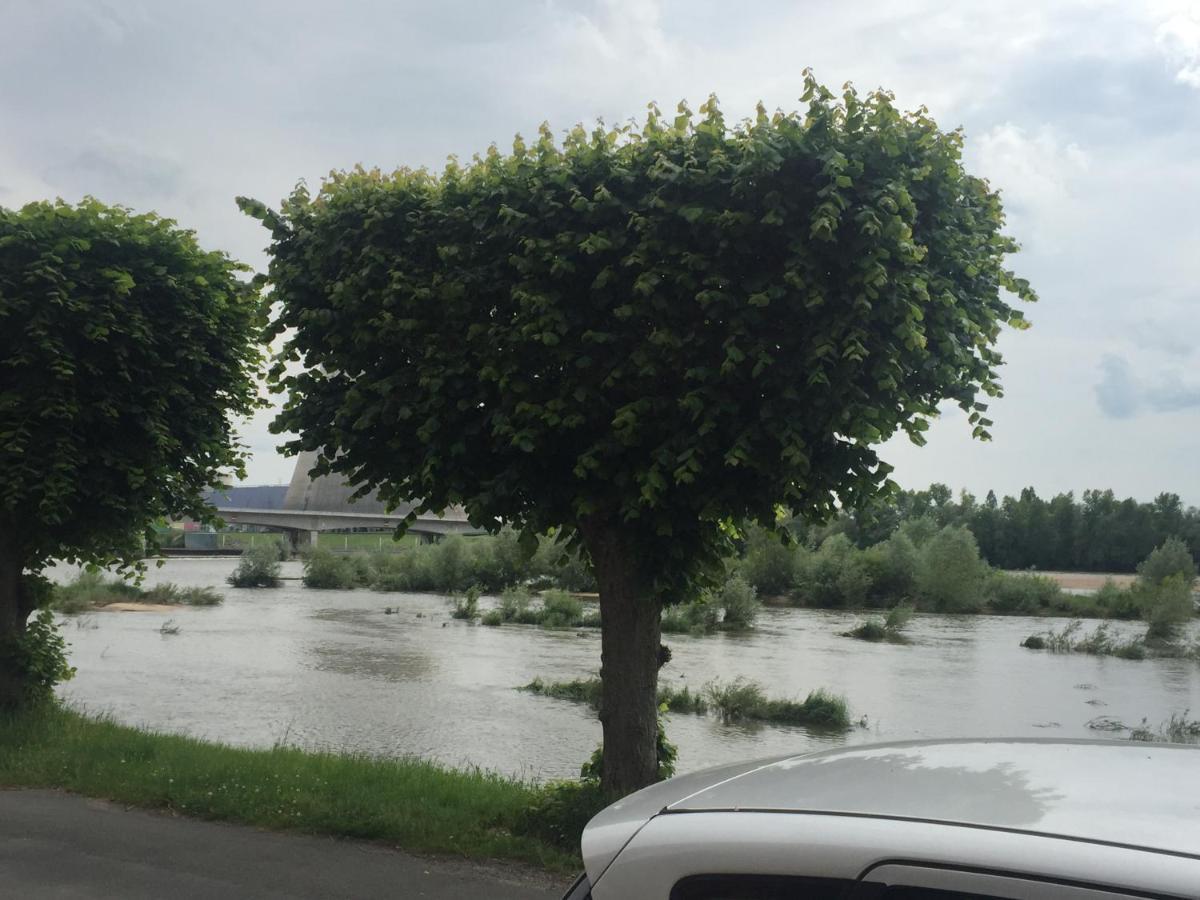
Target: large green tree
{"x": 638, "y": 337}
{"x": 125, "y": 351}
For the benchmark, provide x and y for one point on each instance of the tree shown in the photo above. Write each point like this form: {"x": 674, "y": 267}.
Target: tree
{"x": 124, "y": 351}
{"x": 1171, "y": 559}
{"x": 639, "y": 337}
{"x": 950, "y": 572}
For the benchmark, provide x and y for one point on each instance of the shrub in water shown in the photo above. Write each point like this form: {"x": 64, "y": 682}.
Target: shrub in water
{"x": 1167, "y": 607}
{"x": 323, "y": 569}
{"x": 950, "y": 573}
{"x": 561, "y": 610}
{"x": 740, "y": 603}
{"x": 258, "y": 567}
{"x": 467, "y": 607}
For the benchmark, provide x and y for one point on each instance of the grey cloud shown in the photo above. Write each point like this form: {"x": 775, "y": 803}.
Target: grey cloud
{"x": 116, "y": 172}
{"x": 1122, "y": 395}
{"x": 1117, "y": 393}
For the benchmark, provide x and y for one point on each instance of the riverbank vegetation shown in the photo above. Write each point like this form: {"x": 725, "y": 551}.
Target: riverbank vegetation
{"x": 95, "y": 590}
{"x": 416, "y": 805}
{"x": 1096, "y": 532}
{"x": 1161, "y": 596}
{"x": 939, "y": 570}
{"x": 738, "y": 700}
{"x": 452, "y": 565}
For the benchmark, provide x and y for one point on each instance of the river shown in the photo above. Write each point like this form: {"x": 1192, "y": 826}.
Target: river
{"x": 330, "y": 670}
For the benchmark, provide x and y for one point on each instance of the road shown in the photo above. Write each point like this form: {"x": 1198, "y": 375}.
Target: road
{"x": 60, "y": 846}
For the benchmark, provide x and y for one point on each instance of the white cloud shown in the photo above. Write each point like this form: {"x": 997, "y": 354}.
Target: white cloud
{"x": 1178, "y": 36}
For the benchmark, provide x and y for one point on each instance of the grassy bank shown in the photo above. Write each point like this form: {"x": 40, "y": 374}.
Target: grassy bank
{"x": 411, "y": 804}
{"x": 734, "y": 701}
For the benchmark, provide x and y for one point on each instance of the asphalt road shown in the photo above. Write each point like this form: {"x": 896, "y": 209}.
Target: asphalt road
{"x": 60, "y": 846}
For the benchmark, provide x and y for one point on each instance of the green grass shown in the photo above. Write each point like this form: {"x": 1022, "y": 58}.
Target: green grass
{"x": 416, "y": 805}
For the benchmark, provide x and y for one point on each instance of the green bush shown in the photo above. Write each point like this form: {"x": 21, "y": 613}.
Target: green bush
{"x": 950, "y": 573}
{"x": 1117, "y": 602}
{"x": 38, "y": 657}
{"x": 467, "y": 606}
{"x": 561, "y": 610}
{"x": 258, "y": 567}
{"x": 891, "y": 566}
{"x": 1021, "y": 594}
{"x": 700, "y": 616}
{"x": 835, "y": 575}
{"x": 1167, "y": 607}
{"x": 1172, "y": 559}
{"x": 739, "y": 603}
{"x": 559, "y": 813}
{"x": 769, "y": 565}
{"x": 323, "y": 569}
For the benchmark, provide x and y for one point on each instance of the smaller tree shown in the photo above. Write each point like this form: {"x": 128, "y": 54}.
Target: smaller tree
{"x": 1170, "y": 559}
{"x": 126, "y": 351}
{"x": 950, "y": 573}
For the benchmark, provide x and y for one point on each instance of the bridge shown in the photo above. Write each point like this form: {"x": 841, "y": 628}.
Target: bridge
{"x": 313, "y": 505}
{"x": 302, "y": 526}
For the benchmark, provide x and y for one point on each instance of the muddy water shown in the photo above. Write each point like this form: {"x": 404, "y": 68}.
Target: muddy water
{"x": 331, "y": 670}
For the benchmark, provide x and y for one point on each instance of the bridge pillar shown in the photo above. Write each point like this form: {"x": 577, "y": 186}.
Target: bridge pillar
{"x": 302, "y": 540}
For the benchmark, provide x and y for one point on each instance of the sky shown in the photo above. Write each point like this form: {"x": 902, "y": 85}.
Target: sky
{"x": 1085, "y": 115}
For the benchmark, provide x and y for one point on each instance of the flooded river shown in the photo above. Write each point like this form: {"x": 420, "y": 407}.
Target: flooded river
{"x": 330, "y": 670}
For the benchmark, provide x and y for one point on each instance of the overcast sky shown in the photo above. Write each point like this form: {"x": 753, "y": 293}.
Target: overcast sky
{"x": 1085, "y": 114}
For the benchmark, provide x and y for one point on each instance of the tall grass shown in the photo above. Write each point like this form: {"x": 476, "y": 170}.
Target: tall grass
{"x": 588, "y": 690}
{"x": 94, "y": 590}
{"x": 558, "y": 609}
{"x": 417, "y": 805}
{"x": 746, "y": 701}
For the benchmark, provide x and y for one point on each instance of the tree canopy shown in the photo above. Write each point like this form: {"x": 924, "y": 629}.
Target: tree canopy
{"x": 125, "y": 353}
{"x": 679, "y": 325}
{"x": 638, "y": 336}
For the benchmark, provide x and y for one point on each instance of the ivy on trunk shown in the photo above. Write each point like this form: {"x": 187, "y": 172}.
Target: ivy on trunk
{"x": 636, "y": 337}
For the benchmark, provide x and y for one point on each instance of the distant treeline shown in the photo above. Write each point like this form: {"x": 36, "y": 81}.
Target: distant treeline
{"x": 1094, "y": 533}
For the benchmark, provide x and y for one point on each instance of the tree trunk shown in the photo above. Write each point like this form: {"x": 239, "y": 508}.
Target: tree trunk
{"x": 629, "y": 639}
{"x": 14, "y": 612}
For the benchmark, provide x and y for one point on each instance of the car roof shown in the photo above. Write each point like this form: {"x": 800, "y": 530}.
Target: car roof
{"x": 1128, "y": 793}
{"x": 1140, "y": 795}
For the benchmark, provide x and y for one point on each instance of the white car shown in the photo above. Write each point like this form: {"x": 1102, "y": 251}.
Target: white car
{"x": 936, "y": 820}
